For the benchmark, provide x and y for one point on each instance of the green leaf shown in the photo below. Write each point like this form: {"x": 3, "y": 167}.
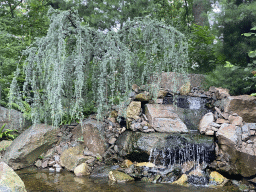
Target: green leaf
{"x": 252, "y": 54}
{"x": 247, "y": 34}
{"x": 253, "y": 94}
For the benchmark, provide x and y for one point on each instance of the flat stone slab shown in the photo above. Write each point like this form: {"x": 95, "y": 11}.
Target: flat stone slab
{"x": 163, "y": 118}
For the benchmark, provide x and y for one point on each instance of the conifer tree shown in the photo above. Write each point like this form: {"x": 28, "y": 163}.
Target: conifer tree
{"x": 74, "y": 60}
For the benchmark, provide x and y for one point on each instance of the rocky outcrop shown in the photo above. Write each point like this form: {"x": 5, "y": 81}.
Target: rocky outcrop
{"x": 236, "y": 152}
{"x": 9, "y": 180}
{"x": 243, "y": 105}
{"x": 27, "y": 147}
{"x": 14, "y": 122}
{"x": 162, "y": 118}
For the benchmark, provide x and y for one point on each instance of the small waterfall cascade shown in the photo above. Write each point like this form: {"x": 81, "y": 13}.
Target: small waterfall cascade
{"x": 184, "y": 156}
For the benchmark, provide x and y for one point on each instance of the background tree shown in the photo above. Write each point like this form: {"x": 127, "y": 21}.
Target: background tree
{"x": 236, "y": 18}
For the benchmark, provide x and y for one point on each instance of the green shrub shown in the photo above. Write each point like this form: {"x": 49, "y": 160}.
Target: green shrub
{"x": 232, "y": 78}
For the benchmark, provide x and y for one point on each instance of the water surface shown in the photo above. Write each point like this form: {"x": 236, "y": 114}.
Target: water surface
{"x": 37, "y": 180}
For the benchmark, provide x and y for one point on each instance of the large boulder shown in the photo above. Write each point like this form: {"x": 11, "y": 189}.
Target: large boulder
{"x": 16, "y": 121}
{"x": 9, "y": 180}
{"x": 27, "y": 147}
{"x": 243, "y": 105}
{"x": 163, "y": 118}
{"x": 94, "y": 136}
{"x": 129, "y": 142}
{"x": 174, "y": 81}
{"x": 72, "y": 157}
{"x": 237, "y": 149}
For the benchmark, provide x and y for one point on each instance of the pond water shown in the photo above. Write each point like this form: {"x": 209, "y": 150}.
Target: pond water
{"x": 37, "y": 180}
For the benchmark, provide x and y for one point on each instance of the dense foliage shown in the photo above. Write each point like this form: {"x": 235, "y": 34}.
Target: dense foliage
{"x": 79, "y": 38}
{"x": 61, "y": 65}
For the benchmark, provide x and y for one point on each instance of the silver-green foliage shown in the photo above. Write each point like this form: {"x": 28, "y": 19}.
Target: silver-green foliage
{"x": 59, "y": 64}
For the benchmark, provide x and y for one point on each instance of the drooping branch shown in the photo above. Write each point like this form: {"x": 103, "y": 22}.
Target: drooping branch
{"x": 73, "y": 62}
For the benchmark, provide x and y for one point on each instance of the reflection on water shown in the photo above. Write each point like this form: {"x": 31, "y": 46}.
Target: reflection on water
{"x": 39, "y": 181}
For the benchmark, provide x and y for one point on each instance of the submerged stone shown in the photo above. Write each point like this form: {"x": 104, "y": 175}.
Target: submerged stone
{"x": 118, "y": 176}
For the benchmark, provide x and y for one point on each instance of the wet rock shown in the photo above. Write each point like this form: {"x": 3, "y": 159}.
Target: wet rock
{"x": 118, "y": 176}
{"x": 243, "y": 105}
{"x": 145, "y": 164}
{"x": 163, "y": 119}
{"x": 217, "y": 179}
{"x": 82, "y": 170}
{"x": 9, "y": 180}
{"x": 102, "y": 171}
{"x": 72, "y": 157}
{"x": 126, "y": 163}
{"x": 26, "y": 148}
{"x": 94, "y": 136}
{"x": 182, "y": 180}
{"x": 205, "y": 122}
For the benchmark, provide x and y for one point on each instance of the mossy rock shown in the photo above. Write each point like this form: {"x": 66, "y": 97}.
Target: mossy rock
{"x": 118, "y": 176}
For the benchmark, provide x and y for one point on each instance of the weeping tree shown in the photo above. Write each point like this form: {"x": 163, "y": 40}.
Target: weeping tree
{"x": 75, "y": 64}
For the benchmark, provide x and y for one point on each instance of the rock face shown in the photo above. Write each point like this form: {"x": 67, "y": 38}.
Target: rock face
{"x": 9, "y": 180}
{"x": 163, "y": 119}
{"x": 237, "y": 149}
{"x": 174, "y": 81}
{"x": 13, "y": 123}
{"x": 243, "y": 105}
{"x": 26, "y": 148}
{"x": 129, "y": 142}
{"x": 94, "y": 138}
